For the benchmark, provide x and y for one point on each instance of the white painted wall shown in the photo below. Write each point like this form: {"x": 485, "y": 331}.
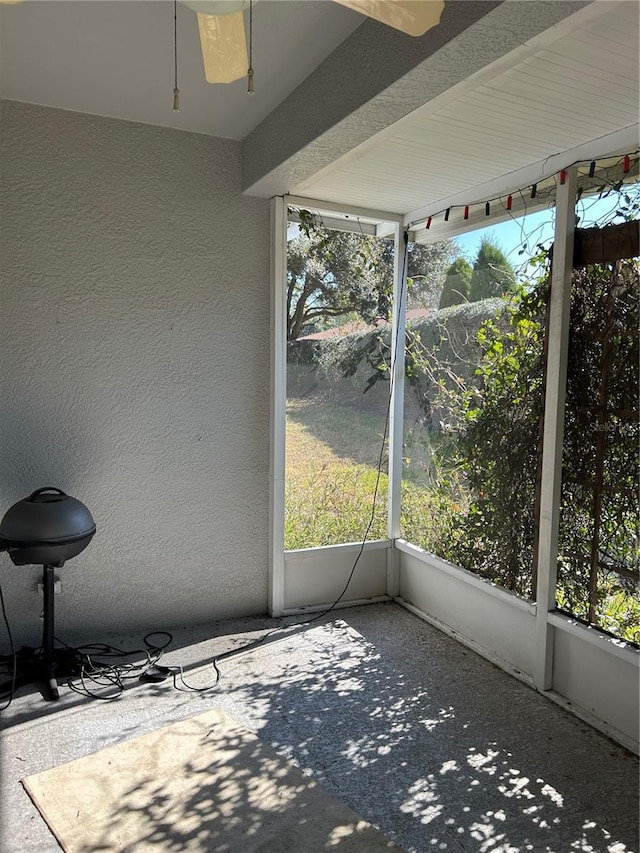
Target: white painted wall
{"x": 317, "y": 576}
{"x": 134, "y": 355}
{"x": 599, "y": 676}
{"x": 498, "y": 624}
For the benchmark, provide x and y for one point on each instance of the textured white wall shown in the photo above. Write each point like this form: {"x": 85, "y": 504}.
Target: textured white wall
{"x": 134, "y": 355}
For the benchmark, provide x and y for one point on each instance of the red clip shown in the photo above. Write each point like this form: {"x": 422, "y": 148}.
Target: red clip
{"x": 626, "y": 164}
{"x": 427, "y": 224}
{"x": 563, "y": 176}
{"x": 509, "y": 202}
{"x": 466, "y": 211}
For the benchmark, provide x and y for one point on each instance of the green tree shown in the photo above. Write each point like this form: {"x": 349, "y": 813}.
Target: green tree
{"x": 457, "y": 284}
{"x": 427, "y": 266}
{"x": 498, "y": 420}
{"x": 330, "y": 274}
{"x": 493, "y": 430}
{"x": 492, "y": 275}
{"x": 334, "y": 275}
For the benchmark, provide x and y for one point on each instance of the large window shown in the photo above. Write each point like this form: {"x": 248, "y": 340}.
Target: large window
{"x": 474, "y": 409}
{"x": 473, "y": 403}
{"x": 477, "y": 361}
{"x": 599, "y": 537}
{"x": 339, "y": 288}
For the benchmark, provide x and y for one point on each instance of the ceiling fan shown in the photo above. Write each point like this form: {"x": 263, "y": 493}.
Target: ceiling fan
{"x": 224, "y": 43}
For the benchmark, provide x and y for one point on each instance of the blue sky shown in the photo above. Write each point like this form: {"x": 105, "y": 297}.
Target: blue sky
{"x": 535, "y": 228}
{"x": 511, "y": 236}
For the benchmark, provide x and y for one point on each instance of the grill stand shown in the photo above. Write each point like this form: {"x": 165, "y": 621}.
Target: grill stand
{"x": 45, "y": 529}
{"x": 38, "y": 666}
{"x": 50, "y": 690}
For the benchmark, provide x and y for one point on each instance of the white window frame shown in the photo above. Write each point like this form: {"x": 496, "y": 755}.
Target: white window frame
{"x": 378, "y": 222}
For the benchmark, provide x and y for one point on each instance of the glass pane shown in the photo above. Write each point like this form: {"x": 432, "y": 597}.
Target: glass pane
{"x": 599, "y": 537}
{"x": 473, "y": 405}
{"x": 339, "y": 302}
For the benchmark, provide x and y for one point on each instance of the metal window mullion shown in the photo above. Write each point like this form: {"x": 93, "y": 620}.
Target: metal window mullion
{"x": 396, "y": 406}
{"x": 553, "y": 435}
{"x": 278, "y": 405}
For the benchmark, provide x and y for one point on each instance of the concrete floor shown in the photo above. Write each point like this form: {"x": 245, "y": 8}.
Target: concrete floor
{"x": 427, "y": 741}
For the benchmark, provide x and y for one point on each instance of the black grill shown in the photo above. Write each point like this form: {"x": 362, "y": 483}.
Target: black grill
{"x": 47, "y": 528}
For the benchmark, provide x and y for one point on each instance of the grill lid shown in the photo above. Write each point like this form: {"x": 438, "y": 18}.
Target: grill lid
{"x": 47, "y": 517}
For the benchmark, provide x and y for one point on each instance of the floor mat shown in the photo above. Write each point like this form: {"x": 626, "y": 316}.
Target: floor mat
{"x": 203, "y": 784}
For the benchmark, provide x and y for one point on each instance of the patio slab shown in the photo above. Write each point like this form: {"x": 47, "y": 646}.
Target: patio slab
{"x": 427, "y": 741}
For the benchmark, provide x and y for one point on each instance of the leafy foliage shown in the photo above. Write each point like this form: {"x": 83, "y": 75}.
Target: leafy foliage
{"x": 330, "y": 274}
{"x": 488, "y": 476}
{"x": 426, "y": 272}
{"x": 492, "y": 274}
{"x": 333, "y": 276}
{"x": 457, "y": 284}
{"x": 499, "y": 444}
{"x": 599, "y": 563}
{"x": 486, "y": 463}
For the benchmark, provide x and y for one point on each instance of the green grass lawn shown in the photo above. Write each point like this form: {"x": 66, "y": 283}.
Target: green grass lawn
{"x": 332, "y": 459}
{"x": 332, "y": 455}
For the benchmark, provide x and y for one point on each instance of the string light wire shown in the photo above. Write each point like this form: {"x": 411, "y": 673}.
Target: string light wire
{"x": 626, "y": 161}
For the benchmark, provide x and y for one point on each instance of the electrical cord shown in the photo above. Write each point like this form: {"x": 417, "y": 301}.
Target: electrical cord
{"x": 177, "y": 672}
{"x": 93, "y": 663}
{"x": 89, "y": 664}
{"x": 392, "y": 367}
{"x": 91, "y": 672}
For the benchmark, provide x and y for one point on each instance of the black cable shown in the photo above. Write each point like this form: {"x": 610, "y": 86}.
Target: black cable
{"x": 176, "y": 91}
{"x": 323, "y": 613}
{"x": 90, "y": 661}
{"x": 542, "y": 192}
{"x": 149, "y": 645}
{"x": 113, "y": 676}
{"x": 177, "y": 671}
{"x": 392, "y": 367}
{"x": 250, "y": 75}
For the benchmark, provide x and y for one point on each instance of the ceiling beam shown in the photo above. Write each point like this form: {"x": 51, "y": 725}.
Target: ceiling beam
{"x": 323, "y": 117}
{"x": 376, "y": 77}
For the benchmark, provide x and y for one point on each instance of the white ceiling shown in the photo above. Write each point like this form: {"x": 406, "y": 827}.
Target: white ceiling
{"x": 574, "y": 83}
{"x": 116, "y": 58}
{"x": 570, "y": 88}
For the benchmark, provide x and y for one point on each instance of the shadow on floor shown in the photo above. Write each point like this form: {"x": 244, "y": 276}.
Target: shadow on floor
{"x": 420, "y": 736}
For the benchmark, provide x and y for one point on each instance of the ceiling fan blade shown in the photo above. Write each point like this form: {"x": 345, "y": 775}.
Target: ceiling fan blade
{"x": 413, "y": 17}
{"x": 224, "y": 47}
{"x": 217, "y": 7}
